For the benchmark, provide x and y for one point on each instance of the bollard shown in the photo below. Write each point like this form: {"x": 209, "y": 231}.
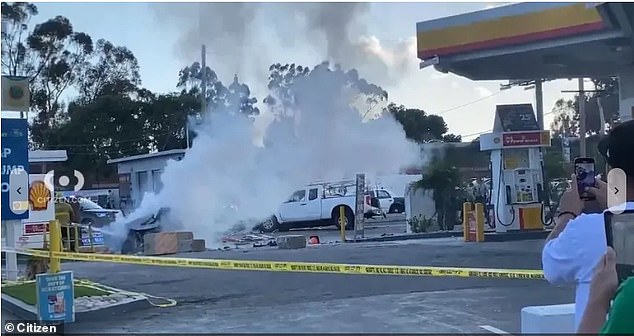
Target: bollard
{"x": 342, "y": 223}
{"x": 466, "y": 209}
{"x": 55, "y": 245}
{"x": 479, "y": 216}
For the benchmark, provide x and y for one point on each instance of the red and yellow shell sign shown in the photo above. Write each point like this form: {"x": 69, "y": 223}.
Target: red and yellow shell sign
{"x": 39, "y": 196}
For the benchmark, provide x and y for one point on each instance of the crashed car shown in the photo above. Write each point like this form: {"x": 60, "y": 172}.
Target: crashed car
{"x": 138, "y": 228}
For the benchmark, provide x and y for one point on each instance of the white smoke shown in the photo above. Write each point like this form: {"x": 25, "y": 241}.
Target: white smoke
{"x": 241, "y": 37}
{"x": 321, "y": 134}
{"x": 240, "y": 169}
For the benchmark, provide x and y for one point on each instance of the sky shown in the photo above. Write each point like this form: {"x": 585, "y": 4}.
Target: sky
{"x": 381, "y": 44}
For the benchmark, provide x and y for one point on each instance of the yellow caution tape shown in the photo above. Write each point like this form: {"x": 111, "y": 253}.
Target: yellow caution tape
{"x": 292, "y": 266}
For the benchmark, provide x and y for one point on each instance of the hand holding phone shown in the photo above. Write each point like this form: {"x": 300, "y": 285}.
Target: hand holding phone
{"x": 585, "y": 172}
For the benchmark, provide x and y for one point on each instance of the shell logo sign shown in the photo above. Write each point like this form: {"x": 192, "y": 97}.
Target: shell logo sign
{"x": 39, "y": 196}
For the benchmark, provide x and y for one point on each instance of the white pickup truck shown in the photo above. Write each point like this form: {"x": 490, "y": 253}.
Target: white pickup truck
{"x": 318, "y": 205}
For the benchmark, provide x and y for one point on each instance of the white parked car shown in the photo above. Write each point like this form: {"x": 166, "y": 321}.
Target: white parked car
{"x": 317, "y": 205}
{"x": 387, "y": 201}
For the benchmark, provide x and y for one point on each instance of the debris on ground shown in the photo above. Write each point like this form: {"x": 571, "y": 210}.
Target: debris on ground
{"x": 244, "y": 238}
{"x": 262, "y": 244}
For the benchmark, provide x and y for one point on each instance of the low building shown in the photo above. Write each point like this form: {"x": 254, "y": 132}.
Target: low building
{"x": 43, "y": 161}
{"x": 140, "y": 174}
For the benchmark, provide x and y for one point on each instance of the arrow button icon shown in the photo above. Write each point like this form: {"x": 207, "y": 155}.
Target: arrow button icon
{"x": 19, "y": 190}
{"x": 617, "y": 181}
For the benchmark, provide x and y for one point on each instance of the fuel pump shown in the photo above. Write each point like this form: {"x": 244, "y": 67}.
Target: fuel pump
{"x": 517, "y": 187}
{"x": 525, "y": 186}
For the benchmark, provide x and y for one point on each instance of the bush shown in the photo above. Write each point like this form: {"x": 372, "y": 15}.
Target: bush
{"x": 420, "y": 223}
{"x": 444, "y": 180}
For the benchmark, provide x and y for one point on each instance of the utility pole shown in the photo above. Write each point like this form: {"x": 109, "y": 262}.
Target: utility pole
{"x": 539, "y": 103}
{"x": 582, "y": 119}
{"x": 539, "y": 95}
{"x": 203, "y": 82}
{"x": 203, "y": 88}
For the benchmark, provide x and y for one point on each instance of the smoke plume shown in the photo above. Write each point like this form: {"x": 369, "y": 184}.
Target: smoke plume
{"x": 327, "y": 125}
{"x": 245, "y": 38}
{"x": 319, "y": 130}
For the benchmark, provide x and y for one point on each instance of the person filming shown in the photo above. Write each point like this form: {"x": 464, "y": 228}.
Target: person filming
{"x": 578, "y": 242}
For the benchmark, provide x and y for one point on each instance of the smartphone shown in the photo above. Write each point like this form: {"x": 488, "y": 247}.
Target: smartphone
{"x": 585, "y": 172}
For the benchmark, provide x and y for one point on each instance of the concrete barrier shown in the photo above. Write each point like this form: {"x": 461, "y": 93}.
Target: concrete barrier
{"x": 291, "y": 242}
{"x": 198, "y": 245}
{"x": 184, "y": 235}
{"x": 548, "y": 319}
{"x": 160, "y": 243}
{"x": 184, "y": 246}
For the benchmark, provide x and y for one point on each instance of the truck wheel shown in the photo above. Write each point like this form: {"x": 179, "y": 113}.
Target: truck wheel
{"x": 270, "y": 224}
{"x": 349, "y": 220}
{"x": 396, "y": 208}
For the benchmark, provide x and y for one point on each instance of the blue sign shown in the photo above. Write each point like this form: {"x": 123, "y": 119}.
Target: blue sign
{"x": 15, "y": 166}
{"x": 97, "y": 238}
{"x": 55, "y": 297}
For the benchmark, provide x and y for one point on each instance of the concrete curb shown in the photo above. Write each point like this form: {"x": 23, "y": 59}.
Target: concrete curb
{"x": 516, "y": 236}
{"x": 28, "y": 312}
{"x": 488, "y": 237}
{"x": 427, "y": 235}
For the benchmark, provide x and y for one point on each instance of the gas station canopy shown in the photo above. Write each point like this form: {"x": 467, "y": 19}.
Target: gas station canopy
{"x": 532, "y": 41}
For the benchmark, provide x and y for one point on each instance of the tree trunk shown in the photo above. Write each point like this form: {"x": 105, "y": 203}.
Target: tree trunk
{"x": 445, "y": 210}
{"x": 441, "y": 219}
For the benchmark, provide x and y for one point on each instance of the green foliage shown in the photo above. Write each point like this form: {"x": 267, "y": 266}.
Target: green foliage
{"x": 566, "y": 120}
{"x": 235, "y": 97}
{"x": 281, "y": 77}
{"x": 26, "y": 292}
{"x": 451, "y": 138}
{"x": 115, "y": 71}
{"x": 420, "y": 223}
{"x": 418, "y": 125}
{"x": 554, "y": 165}
{"x": 444, "y": 180}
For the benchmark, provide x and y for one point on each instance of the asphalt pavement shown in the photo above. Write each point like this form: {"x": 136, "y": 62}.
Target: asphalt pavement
{"x": 254, "y": 301}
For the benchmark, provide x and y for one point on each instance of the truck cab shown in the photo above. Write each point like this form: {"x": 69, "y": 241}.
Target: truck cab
{"x": 318, "y": 204}
{"x": 303, "y": 205}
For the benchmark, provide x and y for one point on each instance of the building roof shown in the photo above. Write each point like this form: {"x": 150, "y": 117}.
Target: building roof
{"x": 38, "y": 156}
{"x": 147, "y": 156}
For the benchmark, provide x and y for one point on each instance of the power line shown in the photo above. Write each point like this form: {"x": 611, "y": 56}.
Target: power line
{"x": 490, "y": 130}
{"x": 469, "y": 103}
{"x": 477, "y": 133}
